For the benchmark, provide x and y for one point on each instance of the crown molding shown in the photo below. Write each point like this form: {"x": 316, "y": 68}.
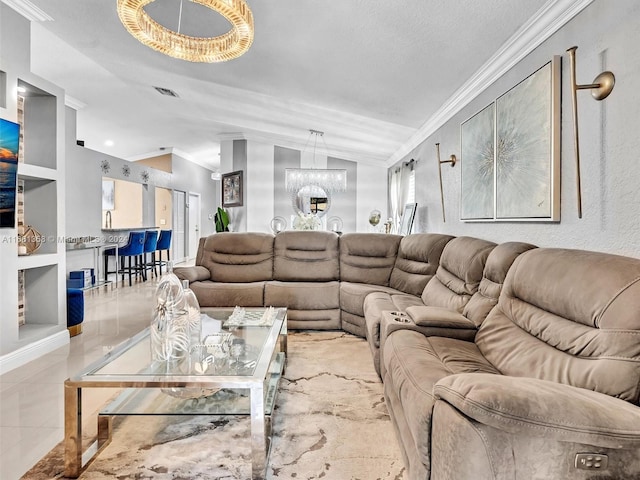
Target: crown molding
{"x": 549, "y": 19}
{"x": 287, "y": 141}
{"x": 74, "y": 103}
{"x": 28, "y": 10}
{"x": 230, "y": 136}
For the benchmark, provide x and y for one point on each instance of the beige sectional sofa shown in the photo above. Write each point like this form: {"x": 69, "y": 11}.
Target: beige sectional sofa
{"x": 498, "y": 361}
{"x": 321, "y": 278}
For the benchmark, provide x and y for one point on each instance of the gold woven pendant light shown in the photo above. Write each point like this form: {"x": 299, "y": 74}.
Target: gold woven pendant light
{"x": 194, "y": 49}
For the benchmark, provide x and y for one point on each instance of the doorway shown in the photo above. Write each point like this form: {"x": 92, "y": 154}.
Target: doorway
{"x": 179, "y": 222}
{"x": 193, "y": 230}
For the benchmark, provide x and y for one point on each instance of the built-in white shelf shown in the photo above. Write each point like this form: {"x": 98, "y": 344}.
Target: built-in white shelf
{"x": 35, "y": 172}
{"x": 36, "y": 260}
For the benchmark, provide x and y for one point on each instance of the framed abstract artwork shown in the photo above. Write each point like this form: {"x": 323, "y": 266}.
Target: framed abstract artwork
{"x": 9, "y": 139}
{"x": 511, "y": 153}
{"x": 232, "y": 189}
{"x": 108, "y": 194}
{"x": 528, "y": 147}
{"x": 477, "y": 140}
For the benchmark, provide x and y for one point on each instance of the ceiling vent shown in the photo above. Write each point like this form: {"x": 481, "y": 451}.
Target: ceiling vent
{"x": 167, "y": 91}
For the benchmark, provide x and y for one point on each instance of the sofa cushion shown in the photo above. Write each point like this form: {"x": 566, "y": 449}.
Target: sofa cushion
{"x": 413, "y": 364}
{"x": 353, "y": 295}
{"x": 417, "y": 261}
{"x": 459, "y": 274}
{"x": 495, "y": 271}
{"x": 314, "y": 319}
{"x": 303, "y": 295}
{"x": 214, "y": 294}
{"x": 569, "y": 316}
{"x": 238, "y": 257}
{"x": 368, "y": 257}
{"x": 426, "y": 316}
{"x": 303, "y": 256}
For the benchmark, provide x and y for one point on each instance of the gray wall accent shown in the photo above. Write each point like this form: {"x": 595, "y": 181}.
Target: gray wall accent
{"x": 344, "y": 204}
{"x": 238, "y": 215}
{"x": 284, "y": 158}
{"x": 609, "y": 143}
{"x": 84, "y": 185}
{"x": 190, "y": 177}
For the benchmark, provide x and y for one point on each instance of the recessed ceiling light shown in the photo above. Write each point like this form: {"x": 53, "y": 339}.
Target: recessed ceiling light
{"x": 108, "y": 143}
{"x": 21, "y": 89}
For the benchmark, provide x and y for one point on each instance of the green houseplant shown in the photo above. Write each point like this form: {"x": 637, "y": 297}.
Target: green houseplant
{"x": 221, "y": 220}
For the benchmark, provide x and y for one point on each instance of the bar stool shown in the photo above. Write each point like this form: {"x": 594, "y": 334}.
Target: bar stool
{"x": 133, "y": 249}
{"x": 164, "y": 243}
{"x": 150, "y": 244}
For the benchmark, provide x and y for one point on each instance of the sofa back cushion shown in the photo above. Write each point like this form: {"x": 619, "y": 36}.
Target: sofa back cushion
{"x": 459, "y": 273}
{"x": 238, "y": 257}
{"x": 569, "y": 316}
{"x": 417, "y": 261}
{"x": 306, "y": 256}
{"x": 495, "y": 271}
{"x": 368, "y": 257}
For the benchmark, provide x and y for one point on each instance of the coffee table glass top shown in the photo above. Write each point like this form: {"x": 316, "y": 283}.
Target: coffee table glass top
{"x": 130, "y": 364}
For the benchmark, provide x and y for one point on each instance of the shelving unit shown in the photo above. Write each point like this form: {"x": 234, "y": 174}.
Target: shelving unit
{"x": 42, "y": 172}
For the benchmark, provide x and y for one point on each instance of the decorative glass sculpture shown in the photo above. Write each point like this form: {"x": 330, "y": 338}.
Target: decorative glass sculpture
{"x": 193, "y": 314}
{"x": 374, "y": 217}
{"x": 278, "y": 224}
{"x": 170, "y": 336}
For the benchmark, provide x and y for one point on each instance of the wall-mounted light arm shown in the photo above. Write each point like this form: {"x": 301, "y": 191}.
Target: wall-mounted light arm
{"x": 452, "y": 160}
{"x": 600, "y": 89}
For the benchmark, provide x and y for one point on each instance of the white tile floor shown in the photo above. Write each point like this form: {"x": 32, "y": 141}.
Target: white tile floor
{"x": 31, "y": 397}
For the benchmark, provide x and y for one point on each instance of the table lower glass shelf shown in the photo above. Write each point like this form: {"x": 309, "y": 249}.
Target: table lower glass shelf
{"x": 196, "y": 400}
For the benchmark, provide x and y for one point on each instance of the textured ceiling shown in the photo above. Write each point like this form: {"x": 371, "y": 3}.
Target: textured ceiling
{"x": 368, "y": 73}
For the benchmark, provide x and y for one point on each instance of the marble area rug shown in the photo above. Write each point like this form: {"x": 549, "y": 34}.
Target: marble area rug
{"x": 330, "y": 423}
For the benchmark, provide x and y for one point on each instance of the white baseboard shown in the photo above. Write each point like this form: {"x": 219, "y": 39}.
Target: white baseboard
{"x": 32, "y": 351}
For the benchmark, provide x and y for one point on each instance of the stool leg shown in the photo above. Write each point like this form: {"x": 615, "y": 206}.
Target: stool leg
{"x": 153, "y": 264}
{"x": 106, "y": 267}
{"x": 142, "y": 268}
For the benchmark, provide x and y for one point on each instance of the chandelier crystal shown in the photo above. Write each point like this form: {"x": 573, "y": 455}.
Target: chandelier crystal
{"x": 333, "y": 180}
{"x": 329, "y": 179}
{"x": 194, "y": 49}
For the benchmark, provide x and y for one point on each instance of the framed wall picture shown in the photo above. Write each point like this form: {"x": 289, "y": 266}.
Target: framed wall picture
{"x": 477, "y": 183}
{"x": 409, "y": 214}
{"x": 9, "y": 139}
{"x": 528, "y": 153}
{"x": 232, "y": 189}
{"x": 108, "y": 194}
{"x": 511, "y": 153}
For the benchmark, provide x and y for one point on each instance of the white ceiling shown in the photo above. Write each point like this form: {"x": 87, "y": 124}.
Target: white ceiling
{"x": 369, "y": 73}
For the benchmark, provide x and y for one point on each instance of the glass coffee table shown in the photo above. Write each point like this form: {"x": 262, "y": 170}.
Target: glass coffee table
{"x": 244, "y": 384}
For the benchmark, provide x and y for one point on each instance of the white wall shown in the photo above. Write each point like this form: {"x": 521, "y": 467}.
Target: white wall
{"x": 371, "y": 195}
{"x": 264, "y": 185}
{"x": 259, "y": 185}
{"x": 607, "y": 38}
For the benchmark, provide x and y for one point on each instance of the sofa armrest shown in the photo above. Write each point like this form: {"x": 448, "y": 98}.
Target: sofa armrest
{"x": 427, "y": 316}
{"x": 542, "y": 408}
{"x": 193, "y": 274}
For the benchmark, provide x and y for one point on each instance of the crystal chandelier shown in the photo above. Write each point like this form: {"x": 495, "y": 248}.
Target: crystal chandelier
{"x": 194, "y": 49}
{"x": 329, "y": 179}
